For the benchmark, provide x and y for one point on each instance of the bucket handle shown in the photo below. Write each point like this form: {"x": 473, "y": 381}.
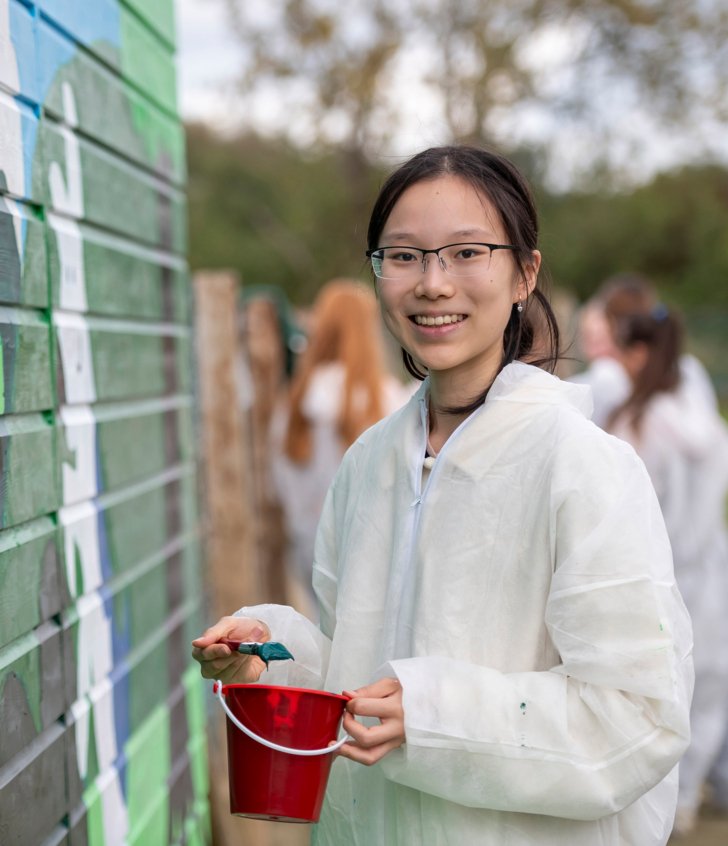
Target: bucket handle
{"x": 217, "y": 690}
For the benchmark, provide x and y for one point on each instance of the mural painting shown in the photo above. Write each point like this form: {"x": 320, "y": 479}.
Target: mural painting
{"x": 103, "y": 719}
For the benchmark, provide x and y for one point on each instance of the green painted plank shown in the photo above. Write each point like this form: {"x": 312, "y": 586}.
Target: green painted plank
{"x": 29, "y": 483}
{"x": 125, "y": 279}
{"x": 140, "y": 527}
{"x": 34, "y": 783}
{"x": 133, "y": 444}
{"x": 126, "y": 361}
{"x": 31, "y": 688}
{"x": 113, "y": 194}
{"x": 148, "y": 62}
{"x": 147, "y": 769}
{"x": 129, "y": 364}
{"x": 26, "y": 366}
{"x": 22, "y": 256}
{"x": 159, "y": 15}
{"x": 110, "y": 110}
{"x": 30, "y": 580}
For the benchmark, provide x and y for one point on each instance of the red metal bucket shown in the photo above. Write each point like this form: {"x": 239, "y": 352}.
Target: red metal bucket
{"x": 278, "y": 753}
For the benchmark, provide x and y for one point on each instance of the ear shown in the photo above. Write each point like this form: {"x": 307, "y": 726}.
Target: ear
{"x": 527, "y": 282}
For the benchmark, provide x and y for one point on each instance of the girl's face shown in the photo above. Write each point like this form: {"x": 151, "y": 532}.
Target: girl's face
{"x": 464, "y": 353}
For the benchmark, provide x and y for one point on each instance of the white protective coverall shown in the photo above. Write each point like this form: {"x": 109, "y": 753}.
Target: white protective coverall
{"x": 302, "y": 488}
{"x": 684, "y": 444}
{"x": 524, "y": 597}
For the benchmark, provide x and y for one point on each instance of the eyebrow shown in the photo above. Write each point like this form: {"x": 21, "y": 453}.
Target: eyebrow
{"x": 403, "y": 237}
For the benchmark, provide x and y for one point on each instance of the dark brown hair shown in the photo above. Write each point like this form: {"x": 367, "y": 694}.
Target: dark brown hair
{"x": 532, "y": 335}
{"x": 661, "y": 331}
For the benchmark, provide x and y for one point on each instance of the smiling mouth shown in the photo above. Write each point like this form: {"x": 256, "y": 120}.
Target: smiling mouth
{"x": 440, "y": 320}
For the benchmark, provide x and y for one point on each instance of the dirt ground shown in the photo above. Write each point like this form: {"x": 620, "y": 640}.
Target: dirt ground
{"x": 712, "y": 830}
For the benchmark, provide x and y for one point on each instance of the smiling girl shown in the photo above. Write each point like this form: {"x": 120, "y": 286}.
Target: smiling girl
{"x": 493, "y": 574}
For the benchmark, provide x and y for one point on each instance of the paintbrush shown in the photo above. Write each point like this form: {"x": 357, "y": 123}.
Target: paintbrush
{"x": 270, "y": 651}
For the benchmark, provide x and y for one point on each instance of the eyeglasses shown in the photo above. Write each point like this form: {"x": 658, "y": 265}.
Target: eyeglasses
{"x": 455, "y": 259}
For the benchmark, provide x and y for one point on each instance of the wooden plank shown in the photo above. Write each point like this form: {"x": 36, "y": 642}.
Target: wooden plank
{"x": 227, "y": 480}
{"x": 229, "y": 522}
{"x": 31, "y": 585}
{"x": 29, "y": 488}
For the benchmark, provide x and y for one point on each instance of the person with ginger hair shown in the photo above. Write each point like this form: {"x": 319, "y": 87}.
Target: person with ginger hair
{"x": 340, "y": 387}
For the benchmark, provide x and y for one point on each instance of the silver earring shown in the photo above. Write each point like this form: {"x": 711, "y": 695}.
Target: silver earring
{"x": 519, "y": 307}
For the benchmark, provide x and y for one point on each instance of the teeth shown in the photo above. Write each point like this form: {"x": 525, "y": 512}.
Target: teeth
{"x": 440, "y": 320}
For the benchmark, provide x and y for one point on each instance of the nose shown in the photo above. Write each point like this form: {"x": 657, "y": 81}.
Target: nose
{"x": 434, "y": 281}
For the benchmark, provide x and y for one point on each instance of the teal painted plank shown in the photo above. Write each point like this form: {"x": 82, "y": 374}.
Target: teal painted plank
{"x": 31, "y": 585}
{"x": 29, "y": 484}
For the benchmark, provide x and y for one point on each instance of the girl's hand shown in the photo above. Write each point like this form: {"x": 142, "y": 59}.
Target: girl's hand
{"x": 383, "y": 699}
{"x": 218, "y": 661}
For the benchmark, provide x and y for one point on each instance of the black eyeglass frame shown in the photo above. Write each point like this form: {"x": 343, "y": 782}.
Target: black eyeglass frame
{"x": 491, "y": 247}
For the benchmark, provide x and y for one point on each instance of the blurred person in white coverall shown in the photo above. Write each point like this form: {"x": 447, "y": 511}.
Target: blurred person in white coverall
{"x": 618, "y": 297}
{"x": 493, "y": 573}
{"x": 340, "y": 387}
{"x": 675, "y": 427}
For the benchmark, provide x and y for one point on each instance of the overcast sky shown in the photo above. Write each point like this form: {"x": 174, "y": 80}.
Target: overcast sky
{"x": 208, "y": 64}
{"x": 207, "y": 60}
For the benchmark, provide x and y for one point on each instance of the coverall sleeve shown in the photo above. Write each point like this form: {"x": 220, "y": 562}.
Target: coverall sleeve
{"x": 590, "y": 735}
{"x": 309, "y": 644}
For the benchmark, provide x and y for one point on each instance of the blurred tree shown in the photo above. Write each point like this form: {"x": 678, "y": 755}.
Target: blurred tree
{"x": 276, "y": 216}
{"x": 673, "y": 230}
{"x": 351, "y": 74}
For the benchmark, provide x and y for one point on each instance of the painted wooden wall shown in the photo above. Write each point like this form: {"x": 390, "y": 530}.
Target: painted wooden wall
{"x": 101, "y": 713}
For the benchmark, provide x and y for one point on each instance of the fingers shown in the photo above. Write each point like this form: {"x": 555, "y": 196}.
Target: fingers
{"x": 234, "y": 628}
{"x": 370, "y": 736}
{"x": 378, "y": 689}
{"x": 368, "y": 756}
{"x": 216, "y": 659}
{"x": 382, "y": 700}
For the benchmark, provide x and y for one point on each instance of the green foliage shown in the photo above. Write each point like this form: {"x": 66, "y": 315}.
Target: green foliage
{"x": 273, "y": 214}
{"x": 673, "y": 230}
